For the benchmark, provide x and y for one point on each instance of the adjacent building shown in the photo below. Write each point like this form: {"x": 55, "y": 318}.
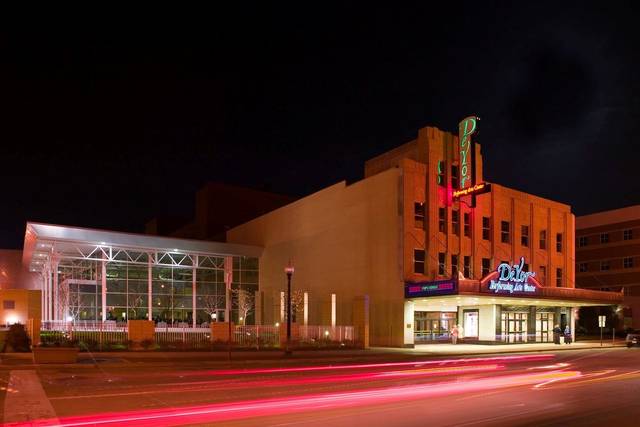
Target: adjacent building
{"x": 428, "y": 247}
{"x": 608, "y": 256}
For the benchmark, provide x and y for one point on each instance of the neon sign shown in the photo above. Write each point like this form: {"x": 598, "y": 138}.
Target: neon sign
{"x": 476, "y": 189}
{"x": 466, "y": 128}
{"x": 425, "y": 289}
{"x": 512, "y": 279}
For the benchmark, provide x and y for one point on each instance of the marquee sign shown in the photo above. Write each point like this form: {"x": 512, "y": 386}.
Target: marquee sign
{"x": 427, "y": 289}
{"x": 481, "y": 188}
{"x": 466, "y": 129}
{"x": 511, "y": 279}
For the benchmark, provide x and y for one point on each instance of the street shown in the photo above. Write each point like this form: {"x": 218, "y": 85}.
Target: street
{"x": 581, "y": 387}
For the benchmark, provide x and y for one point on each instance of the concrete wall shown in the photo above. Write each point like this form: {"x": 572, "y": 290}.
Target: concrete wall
{"x": 344, "y": 240}
{"x": 26, "y": 302}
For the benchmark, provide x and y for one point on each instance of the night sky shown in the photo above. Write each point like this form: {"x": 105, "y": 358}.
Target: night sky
{"x": 112, "y": 121}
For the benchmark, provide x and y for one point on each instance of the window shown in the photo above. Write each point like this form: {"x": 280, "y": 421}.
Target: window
{"x": 8, "y": 304}
{"x": 418, "y": 210}
{"x": 454, "y": 177}
{"x": 627, "y": 234}
{"x": 583, "y": 241}
{"x": 524, "y": 235}
{"x": 582, "y": 267}
{"x": 543, "y": 274}
{"x": 486, "y": 266}
{"x": 418, "y": 261}
{"x": 467, "y": 267}
{"x": 559, "y": 242}
{"x": 486, "y": 228}
{"x": 505, "y": 231}
{"x": 604, "y": 265}
{"x": 543, "y": 239}
{"x": 455, "y": 222}
{"x": 604, "y": 237}
{"x": 558, "y": 277}
{"x": 467, "y": 224}
{"x": 627, "y": 262}
{"x": 441, "y": 173}
{"x": 442, "y": 220}
{"x": 441, "y": 264}
{"x": 454, "y": 265}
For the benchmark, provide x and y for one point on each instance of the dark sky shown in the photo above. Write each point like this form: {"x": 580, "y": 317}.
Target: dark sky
{"x": 108, "y": 120}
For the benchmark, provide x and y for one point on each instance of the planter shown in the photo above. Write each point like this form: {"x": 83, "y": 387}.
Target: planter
{"x": 55, "y": 354}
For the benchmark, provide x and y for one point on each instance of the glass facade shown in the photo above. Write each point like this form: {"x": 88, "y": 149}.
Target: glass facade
{"x": 129, "y": 280}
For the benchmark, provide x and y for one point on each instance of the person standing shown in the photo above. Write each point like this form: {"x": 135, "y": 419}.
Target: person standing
{"x": 454, "y": 334}
{"x": 556, "y": 334}
{"x": 567, "y": 335}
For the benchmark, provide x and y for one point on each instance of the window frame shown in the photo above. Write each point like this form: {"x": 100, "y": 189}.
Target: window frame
{"x": 542, "y": 241}
{"x": 604, "y": 238}
{"x": 627, "y": 262}
{"x": 455, "y": 221}
{"x": 627, "y": 234}
{"x": 559, "y": 242}
{"x": 442, "y": 266}
{"x": 486, "y": 229}
{"x": 417, "y": 262}
{"x": 504, "y": 233}
{"x": 418, "y": 215}
{"x": 442, "y": 220}
{"x": 524, "y": 237}
{"x": 559, "y": 277}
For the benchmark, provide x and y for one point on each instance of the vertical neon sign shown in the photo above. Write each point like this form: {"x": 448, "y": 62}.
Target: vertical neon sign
{"x": 466, "y": 128}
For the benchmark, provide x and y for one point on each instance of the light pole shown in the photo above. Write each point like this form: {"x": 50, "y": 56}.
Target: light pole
{"x": 289, "y": 271}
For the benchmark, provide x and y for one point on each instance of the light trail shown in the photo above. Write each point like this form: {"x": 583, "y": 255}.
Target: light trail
{"x": 284, "y": 382}
{"x": 267, "y": 407}
{"x": 496, "y": 359}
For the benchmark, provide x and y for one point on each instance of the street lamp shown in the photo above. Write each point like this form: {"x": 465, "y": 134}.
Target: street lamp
{"x": 289, "y": 272}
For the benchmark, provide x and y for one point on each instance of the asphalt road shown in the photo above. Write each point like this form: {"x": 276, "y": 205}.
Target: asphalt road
{"x": 584, "y": 387}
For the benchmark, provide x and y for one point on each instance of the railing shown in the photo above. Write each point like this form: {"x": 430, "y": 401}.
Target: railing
{"x": 96, "y": 335}
{"x": 183, "y": 337}
{"x": 256, "y": 335}
{"x": 315, "y": 334}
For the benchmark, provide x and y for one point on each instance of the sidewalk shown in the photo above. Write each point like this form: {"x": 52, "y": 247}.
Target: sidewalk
{"x": 222, "y": 357}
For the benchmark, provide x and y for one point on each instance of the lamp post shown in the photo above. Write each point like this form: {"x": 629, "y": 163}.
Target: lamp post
{"x": 289, "y": 272}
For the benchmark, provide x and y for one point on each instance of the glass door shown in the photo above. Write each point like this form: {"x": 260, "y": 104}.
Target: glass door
{"x": 514, "y": 326}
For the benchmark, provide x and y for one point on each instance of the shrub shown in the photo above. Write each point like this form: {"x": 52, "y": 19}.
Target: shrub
{"x": 17, "y": 339}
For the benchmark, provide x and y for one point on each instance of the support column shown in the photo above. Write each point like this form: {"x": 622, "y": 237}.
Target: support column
{"x": 56, "y": 302}
{"x": 103, "y": 279}
{"x": 408, "y": 324}
{"x": 228, "y": 278}
{"x": 193, "y": 295}
{"x": 43, "y": 295}
{"x": 306, "y": 308}
{"x": 333, "y": 309}
{"x": 149, "y": 288}
{"x": 49, "y": 295}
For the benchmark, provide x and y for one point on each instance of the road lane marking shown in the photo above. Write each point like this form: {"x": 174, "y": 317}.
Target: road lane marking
{"x": 27, "y": 401}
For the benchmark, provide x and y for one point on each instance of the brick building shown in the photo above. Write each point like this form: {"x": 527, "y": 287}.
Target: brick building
{"x": 608, "y": 256}
{"x": 502, "y": 269}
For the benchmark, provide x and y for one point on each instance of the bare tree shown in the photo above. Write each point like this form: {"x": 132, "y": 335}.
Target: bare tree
{"x": 135, "y": 304}
{"x": 213, "y": 303}
{"x": 69, "y": 302}
{"x": 244, "y": 302}
{"x": 297, "y": 304}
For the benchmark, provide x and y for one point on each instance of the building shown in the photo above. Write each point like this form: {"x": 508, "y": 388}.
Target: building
{"x": 97, "y": 275}
{"x": 608, "y": 256}
{"x": 218, "y": 208}
{"x": 422, "y": 256}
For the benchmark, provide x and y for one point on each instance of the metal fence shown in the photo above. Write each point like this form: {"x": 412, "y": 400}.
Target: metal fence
{"x": 256, "y": 336}
{"x": 113, "y": 335}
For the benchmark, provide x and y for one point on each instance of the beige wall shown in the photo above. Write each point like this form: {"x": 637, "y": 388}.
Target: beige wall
{"x": 344, "y": 240}
{"x": 27, "y": 306}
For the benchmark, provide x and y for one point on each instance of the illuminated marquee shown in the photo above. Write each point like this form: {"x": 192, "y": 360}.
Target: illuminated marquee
{"x": 481, "y": 188}
{"x": 511, "y": 279}
{"x": 466, "y": 128}
{"x": 425, "y": 289}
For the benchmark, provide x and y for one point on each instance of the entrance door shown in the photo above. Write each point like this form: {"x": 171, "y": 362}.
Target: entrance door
{"x": 544, "y": 327}
{"x": 514, "y": 326}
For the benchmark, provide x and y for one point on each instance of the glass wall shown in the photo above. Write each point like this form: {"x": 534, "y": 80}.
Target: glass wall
{"x": 172, "y": 289}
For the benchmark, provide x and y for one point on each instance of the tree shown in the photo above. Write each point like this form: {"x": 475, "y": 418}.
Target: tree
{"x": 135, "y": 304}
{"x": 297, "y": 304}
{"x": 244, "y": 302}
{"x": 69, "y": 302}
{"x": 213, "y": 303}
